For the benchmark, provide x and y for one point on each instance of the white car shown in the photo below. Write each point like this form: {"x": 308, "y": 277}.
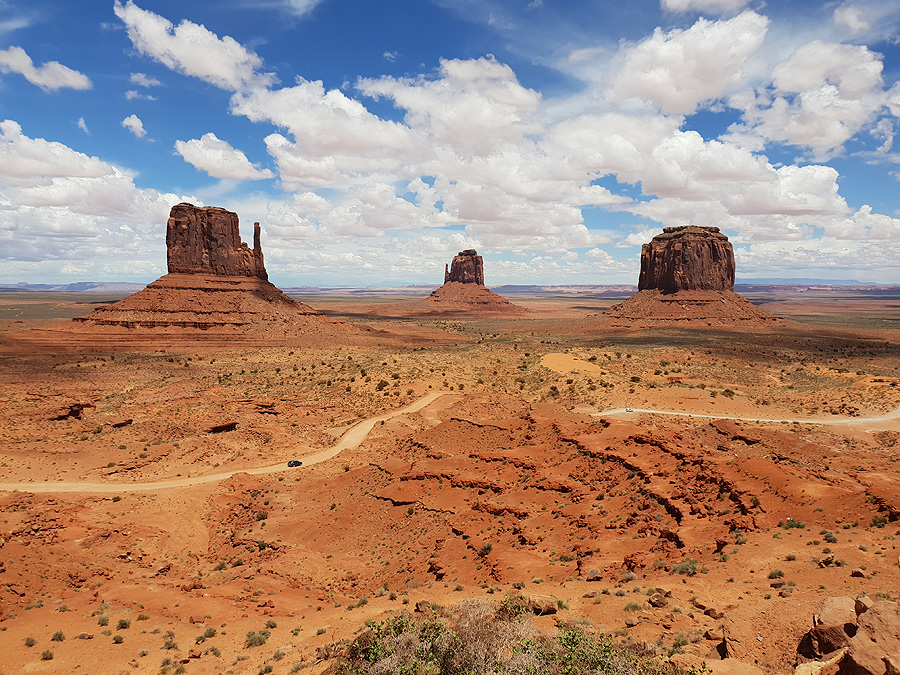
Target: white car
{"x": 629, "y": 409}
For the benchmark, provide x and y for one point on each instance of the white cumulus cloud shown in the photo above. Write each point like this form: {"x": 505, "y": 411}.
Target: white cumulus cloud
{"x": 821, "y": 96}
{"x": 219, "y": 159}
{"x": 48, "y": 76}
{"x": 679, "y": 70}
{"x": 191, "y": 49}
{"x": 134, "y": 125}
{"x": 142, "y": 80}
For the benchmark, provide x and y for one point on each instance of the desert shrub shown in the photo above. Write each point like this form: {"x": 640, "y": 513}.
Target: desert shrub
{"x": 776, "y": 574}
{"x": 123, "y": 624}
{"x": 102, "y": 620}
{"x": 271, "y": 623}
{"x": 58, "y": 636}
{"x": 256, "y": 638}
{"x": 142, "y": 617}
{"x": 118, "y": 639}
{"x": 687, "y": 567}
{"x": 879, "y": 521}
{"x": 481, "y": 636}
{"x": 791, "y": 524}
{"x": 29, "y": 642}
{"x": 632, "y": 607}
{"x": 46, "y": 655}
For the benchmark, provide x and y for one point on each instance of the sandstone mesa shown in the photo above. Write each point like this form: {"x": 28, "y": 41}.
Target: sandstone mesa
{"x": 687, "y": 277}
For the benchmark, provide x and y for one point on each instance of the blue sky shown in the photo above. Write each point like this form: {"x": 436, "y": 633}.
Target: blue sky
{"x": 374, "y": 140}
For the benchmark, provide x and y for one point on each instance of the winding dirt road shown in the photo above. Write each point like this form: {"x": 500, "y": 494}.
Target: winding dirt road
{"x": 357, "y": 434}
{"x": 831, "y": 421}
{"x": 351, "y": 439}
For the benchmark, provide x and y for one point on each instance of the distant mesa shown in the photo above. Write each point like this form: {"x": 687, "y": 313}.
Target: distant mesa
{"x": 466, "y": 268}
{"x": 216, "y": 283}
{"x": 687, "y": 276}
{"x": 464, "y": 292}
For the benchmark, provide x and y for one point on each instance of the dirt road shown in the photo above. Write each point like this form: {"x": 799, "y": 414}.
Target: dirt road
{"x": 351, "y": 439}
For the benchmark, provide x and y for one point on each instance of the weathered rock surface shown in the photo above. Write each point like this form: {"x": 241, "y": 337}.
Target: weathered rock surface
{"x": 687, "y": 277}
{"x": 875, "y": 649}
{"x": 687, "y": 259}
{"x": 207, "y": 240}
{"x": 467, "y": 268}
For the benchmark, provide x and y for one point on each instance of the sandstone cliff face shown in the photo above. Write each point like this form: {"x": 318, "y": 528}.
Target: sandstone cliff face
{"x": 207, "y": 241}
{"x": 467, "y": 268}
{"x": 687, "y": 258}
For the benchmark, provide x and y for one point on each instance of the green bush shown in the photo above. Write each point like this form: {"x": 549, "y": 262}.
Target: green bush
{"x": 472, "y": 636}
{"x": 791, "y": 524}
{"x": 257, "y": 638}
{"x": 687, "y": 567}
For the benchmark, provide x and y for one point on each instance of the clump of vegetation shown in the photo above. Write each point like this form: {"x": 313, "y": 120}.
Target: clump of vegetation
{"x": 469, "y": 638}
{"x": 687, "y": 567}
{"x": 791, "y": 524}
{"x": 257, "y": 638}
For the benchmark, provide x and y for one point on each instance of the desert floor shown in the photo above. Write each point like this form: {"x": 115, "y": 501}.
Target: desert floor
{"x": 150, "y": 520}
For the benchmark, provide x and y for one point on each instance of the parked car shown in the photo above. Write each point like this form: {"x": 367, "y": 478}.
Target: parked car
{"x": 295, "y": 462}
{"x": 629, "y": 409}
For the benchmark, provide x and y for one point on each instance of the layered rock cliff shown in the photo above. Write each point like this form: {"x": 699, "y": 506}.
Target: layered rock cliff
{"x": 687, "y": 258}
{"x": 467, "y": 268}
{"x": 207, "y": 240}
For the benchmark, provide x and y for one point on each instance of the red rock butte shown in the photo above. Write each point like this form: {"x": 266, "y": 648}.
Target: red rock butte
{"x": 687, "y": 277}
{"x": 464, "y": 292}
{"x": 216, "y": 284}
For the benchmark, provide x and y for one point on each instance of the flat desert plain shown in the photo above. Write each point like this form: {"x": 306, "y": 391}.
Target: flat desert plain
{"x": 151, "y": 523}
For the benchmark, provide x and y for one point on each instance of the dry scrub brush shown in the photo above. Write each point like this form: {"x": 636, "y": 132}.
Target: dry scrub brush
{"x": 485, "y": 637}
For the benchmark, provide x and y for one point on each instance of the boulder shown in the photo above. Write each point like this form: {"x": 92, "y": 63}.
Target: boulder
{"x": 875, "y": 649}
{"x": 687, "y": 258}
{"x": 543, "y": 604}
{"x": 822, "y": 641}
{"x": 836, "y": 611}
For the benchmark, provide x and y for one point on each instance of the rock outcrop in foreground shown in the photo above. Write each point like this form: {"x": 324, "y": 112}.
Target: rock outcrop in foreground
{"x": 464, "y": 291}
{"x": 687, "y": 277}
{"x": 215, "y": 284}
